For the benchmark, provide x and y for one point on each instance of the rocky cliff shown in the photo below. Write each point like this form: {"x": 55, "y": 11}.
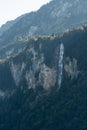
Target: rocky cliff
{"x": 44, "y": 86}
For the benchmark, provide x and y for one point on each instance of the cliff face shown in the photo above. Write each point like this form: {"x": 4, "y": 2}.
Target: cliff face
{"x": 44, "y": 85}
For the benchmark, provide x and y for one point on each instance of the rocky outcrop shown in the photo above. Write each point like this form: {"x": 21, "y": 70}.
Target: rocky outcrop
{"x": 17, "y": 71}
{"x": 71, "y": 68}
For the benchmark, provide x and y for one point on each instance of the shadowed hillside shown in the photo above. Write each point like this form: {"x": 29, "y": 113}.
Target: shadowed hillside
{"x": 31, "y": 94}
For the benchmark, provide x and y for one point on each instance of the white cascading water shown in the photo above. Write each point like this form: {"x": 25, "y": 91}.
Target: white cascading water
{"x": 60, "y": 64}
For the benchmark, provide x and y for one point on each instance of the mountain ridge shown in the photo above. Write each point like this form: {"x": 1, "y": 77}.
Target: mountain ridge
{"x": 52, "y": 18}
{"x": 54, "y": 12}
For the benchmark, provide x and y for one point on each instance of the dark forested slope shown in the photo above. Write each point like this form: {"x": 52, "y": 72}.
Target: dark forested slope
{"x": 44, "y": 87}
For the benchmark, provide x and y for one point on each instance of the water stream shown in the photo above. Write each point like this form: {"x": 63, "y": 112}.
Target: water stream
{"x": 60, "y": 64}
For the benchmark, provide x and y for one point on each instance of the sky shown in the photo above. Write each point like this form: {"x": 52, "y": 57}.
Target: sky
{"x": 11, "y": 9}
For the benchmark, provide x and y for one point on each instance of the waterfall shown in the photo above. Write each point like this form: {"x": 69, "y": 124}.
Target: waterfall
{"x": 60, "y": 64}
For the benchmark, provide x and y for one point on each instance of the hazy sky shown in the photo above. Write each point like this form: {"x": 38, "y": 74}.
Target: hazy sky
{"x": 10, "y": 9}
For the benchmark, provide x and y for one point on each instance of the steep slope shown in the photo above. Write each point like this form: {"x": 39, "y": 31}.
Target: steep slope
{"x": 54, "y": 17}
{"x": 44, "y": 86}
{"x": 8, "y": 25}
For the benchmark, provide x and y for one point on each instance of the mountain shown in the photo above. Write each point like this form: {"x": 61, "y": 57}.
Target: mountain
{"x": 44, "y": 87}
{"x": 8, "y": 25}
{"x": 52, "y": 18}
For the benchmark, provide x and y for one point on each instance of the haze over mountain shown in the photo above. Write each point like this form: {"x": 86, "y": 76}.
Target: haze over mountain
{"x": 54, "y": 17}
{"x": 43, "y": 78}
